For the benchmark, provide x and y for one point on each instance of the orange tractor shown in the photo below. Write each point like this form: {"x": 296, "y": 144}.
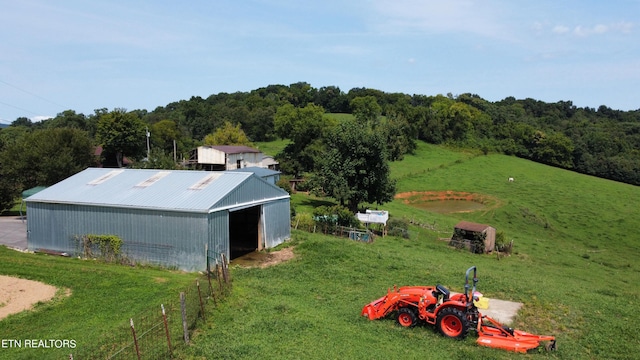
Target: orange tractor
{"x": 453, "y": 315}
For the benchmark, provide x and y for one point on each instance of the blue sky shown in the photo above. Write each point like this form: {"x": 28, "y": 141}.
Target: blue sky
{"x": 138, "y": 54}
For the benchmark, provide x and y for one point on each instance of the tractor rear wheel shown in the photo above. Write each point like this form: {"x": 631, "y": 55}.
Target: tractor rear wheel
{"x": 406, "y": 317}
{"x": 452, "y": 323}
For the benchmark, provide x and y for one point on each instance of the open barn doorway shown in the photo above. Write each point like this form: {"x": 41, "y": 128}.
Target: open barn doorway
{"x": 244, "y": 231}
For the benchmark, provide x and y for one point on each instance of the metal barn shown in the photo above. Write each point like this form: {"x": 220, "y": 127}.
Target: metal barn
{"x": 173, "y": 218}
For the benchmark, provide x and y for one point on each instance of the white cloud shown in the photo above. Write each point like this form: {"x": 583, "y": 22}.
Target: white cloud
{"x": 598, "y": 29}
{"x": 624, "y": 27}
{"x": 560, "y": 29}
{"x": 397, "y": 16}
{"x": 40, "y": 118}
{"x": 588, "y": 31}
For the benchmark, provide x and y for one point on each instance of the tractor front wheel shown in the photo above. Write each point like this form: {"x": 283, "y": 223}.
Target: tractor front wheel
{"x": 452, "y": 323}
{"x": 406, "y": 317}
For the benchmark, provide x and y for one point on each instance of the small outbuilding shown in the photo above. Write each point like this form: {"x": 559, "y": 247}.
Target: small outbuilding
{"x": 467, "y": 234}
{"x": 173, "y": 218}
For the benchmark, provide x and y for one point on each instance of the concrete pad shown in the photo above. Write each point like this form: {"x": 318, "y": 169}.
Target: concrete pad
{"x": 501, "y": 310}
{"x": 13, "y": 232}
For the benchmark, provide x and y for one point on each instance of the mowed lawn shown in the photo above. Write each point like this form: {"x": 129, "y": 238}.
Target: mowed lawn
{"x": 573, "y": 267}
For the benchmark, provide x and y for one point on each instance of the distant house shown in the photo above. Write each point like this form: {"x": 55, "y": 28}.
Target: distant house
{"x": 225, "y": 157}
{"x": 464, "y": 234}
{"x": 270, "y": 163}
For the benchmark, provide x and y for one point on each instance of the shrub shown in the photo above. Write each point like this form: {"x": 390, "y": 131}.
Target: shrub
{"x": 303, "y": 221}
{"x": 398, "y": 227}
{"x": 284, "y": 184}
{"x": 502, "y": 245}
{"x": 335, "y": 215}
{"x": 108, "y": 246}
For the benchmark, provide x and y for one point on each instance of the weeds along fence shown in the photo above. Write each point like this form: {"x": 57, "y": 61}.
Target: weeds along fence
{"x": 159, "y": 330}
{"x": 340, "y": 231}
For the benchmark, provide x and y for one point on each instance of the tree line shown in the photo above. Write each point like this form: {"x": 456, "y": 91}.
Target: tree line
{"x": 382, "y": 127}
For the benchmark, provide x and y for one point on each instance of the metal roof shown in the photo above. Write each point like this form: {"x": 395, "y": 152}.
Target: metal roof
{"x": 181, "y": 190}
{"x": 262, "y": 172}
{"x": 234, "y": 149}
{"x": 470, "y": 226}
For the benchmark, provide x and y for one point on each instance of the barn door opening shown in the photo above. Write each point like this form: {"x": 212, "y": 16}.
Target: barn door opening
{"x": 244, "y": 230}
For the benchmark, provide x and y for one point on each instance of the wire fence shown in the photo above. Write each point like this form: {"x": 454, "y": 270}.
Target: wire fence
{"x": 156, "y": 332}
{"x": 344, "y": 231}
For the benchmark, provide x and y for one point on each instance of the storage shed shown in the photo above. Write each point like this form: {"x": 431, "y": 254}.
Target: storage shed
{"x": 465, "y": 232}
{"x": 173, "y": 218}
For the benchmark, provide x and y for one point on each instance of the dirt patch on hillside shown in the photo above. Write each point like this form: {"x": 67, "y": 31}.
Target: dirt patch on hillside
{"x": 277, "y": 257}
{"x": 418, "y": 198}
{"x": 17, "y": 294}
{"x": 263, "y": 259}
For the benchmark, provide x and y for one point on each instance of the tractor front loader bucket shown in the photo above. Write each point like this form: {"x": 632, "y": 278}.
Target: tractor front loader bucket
{"x": 372, "y": 310}
{"x": 493, "y": 334}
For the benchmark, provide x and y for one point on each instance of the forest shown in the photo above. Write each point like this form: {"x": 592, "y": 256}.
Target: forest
{"x": 602, "y": 142}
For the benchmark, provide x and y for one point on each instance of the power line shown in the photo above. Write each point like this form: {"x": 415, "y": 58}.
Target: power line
{"x": 18, "y": 108}
{"x": 35, "y": 95}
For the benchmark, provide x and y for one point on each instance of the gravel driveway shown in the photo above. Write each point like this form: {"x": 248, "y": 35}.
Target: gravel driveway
{"x": 13, "y": 232}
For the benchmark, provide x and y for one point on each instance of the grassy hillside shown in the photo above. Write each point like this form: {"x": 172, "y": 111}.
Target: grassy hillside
{"x": 572, "y": 267}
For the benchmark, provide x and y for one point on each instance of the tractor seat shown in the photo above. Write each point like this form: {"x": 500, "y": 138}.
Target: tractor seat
{"x": 444, "y": 291}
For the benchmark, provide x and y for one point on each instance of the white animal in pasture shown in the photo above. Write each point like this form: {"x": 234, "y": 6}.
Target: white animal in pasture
{"x": 510, "y": 179}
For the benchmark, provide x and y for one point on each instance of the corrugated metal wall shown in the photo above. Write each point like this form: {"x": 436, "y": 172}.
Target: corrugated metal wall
{"x": 172, "y": 239}
{"x": 276, "y": 221}
{"x": 219, "y": 234}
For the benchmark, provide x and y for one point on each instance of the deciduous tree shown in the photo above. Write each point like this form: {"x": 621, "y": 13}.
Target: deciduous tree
{"x": 354, "y": 168}
{"x": 305, "y": 128}
{"x": 228, "y": 134}
{"x": 121, "y": 133}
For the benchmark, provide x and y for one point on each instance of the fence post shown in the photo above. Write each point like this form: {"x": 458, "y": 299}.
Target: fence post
{"x": 200, "y": 296}
{"x": 135, "y": 340}
{"x": 225, "y": 275}
{"x": 166, "y": 328}
{"x": 183, "y": 310}
{"x": 211, "y": 292}
{"x": 219, "y": 275}
{"x": 206, "y": 255}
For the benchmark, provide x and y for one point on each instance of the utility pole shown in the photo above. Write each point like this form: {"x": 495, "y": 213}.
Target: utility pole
{"x": 148, "y": 149}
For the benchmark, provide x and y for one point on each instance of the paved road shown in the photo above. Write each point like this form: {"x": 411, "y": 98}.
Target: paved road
{"x": 13, "y": 232}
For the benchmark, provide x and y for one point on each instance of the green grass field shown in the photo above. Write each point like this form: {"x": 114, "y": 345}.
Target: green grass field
{"x": 573, "y": 267}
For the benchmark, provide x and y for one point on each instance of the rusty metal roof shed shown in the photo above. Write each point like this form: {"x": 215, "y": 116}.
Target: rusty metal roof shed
{"x": 470, "y": 226}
